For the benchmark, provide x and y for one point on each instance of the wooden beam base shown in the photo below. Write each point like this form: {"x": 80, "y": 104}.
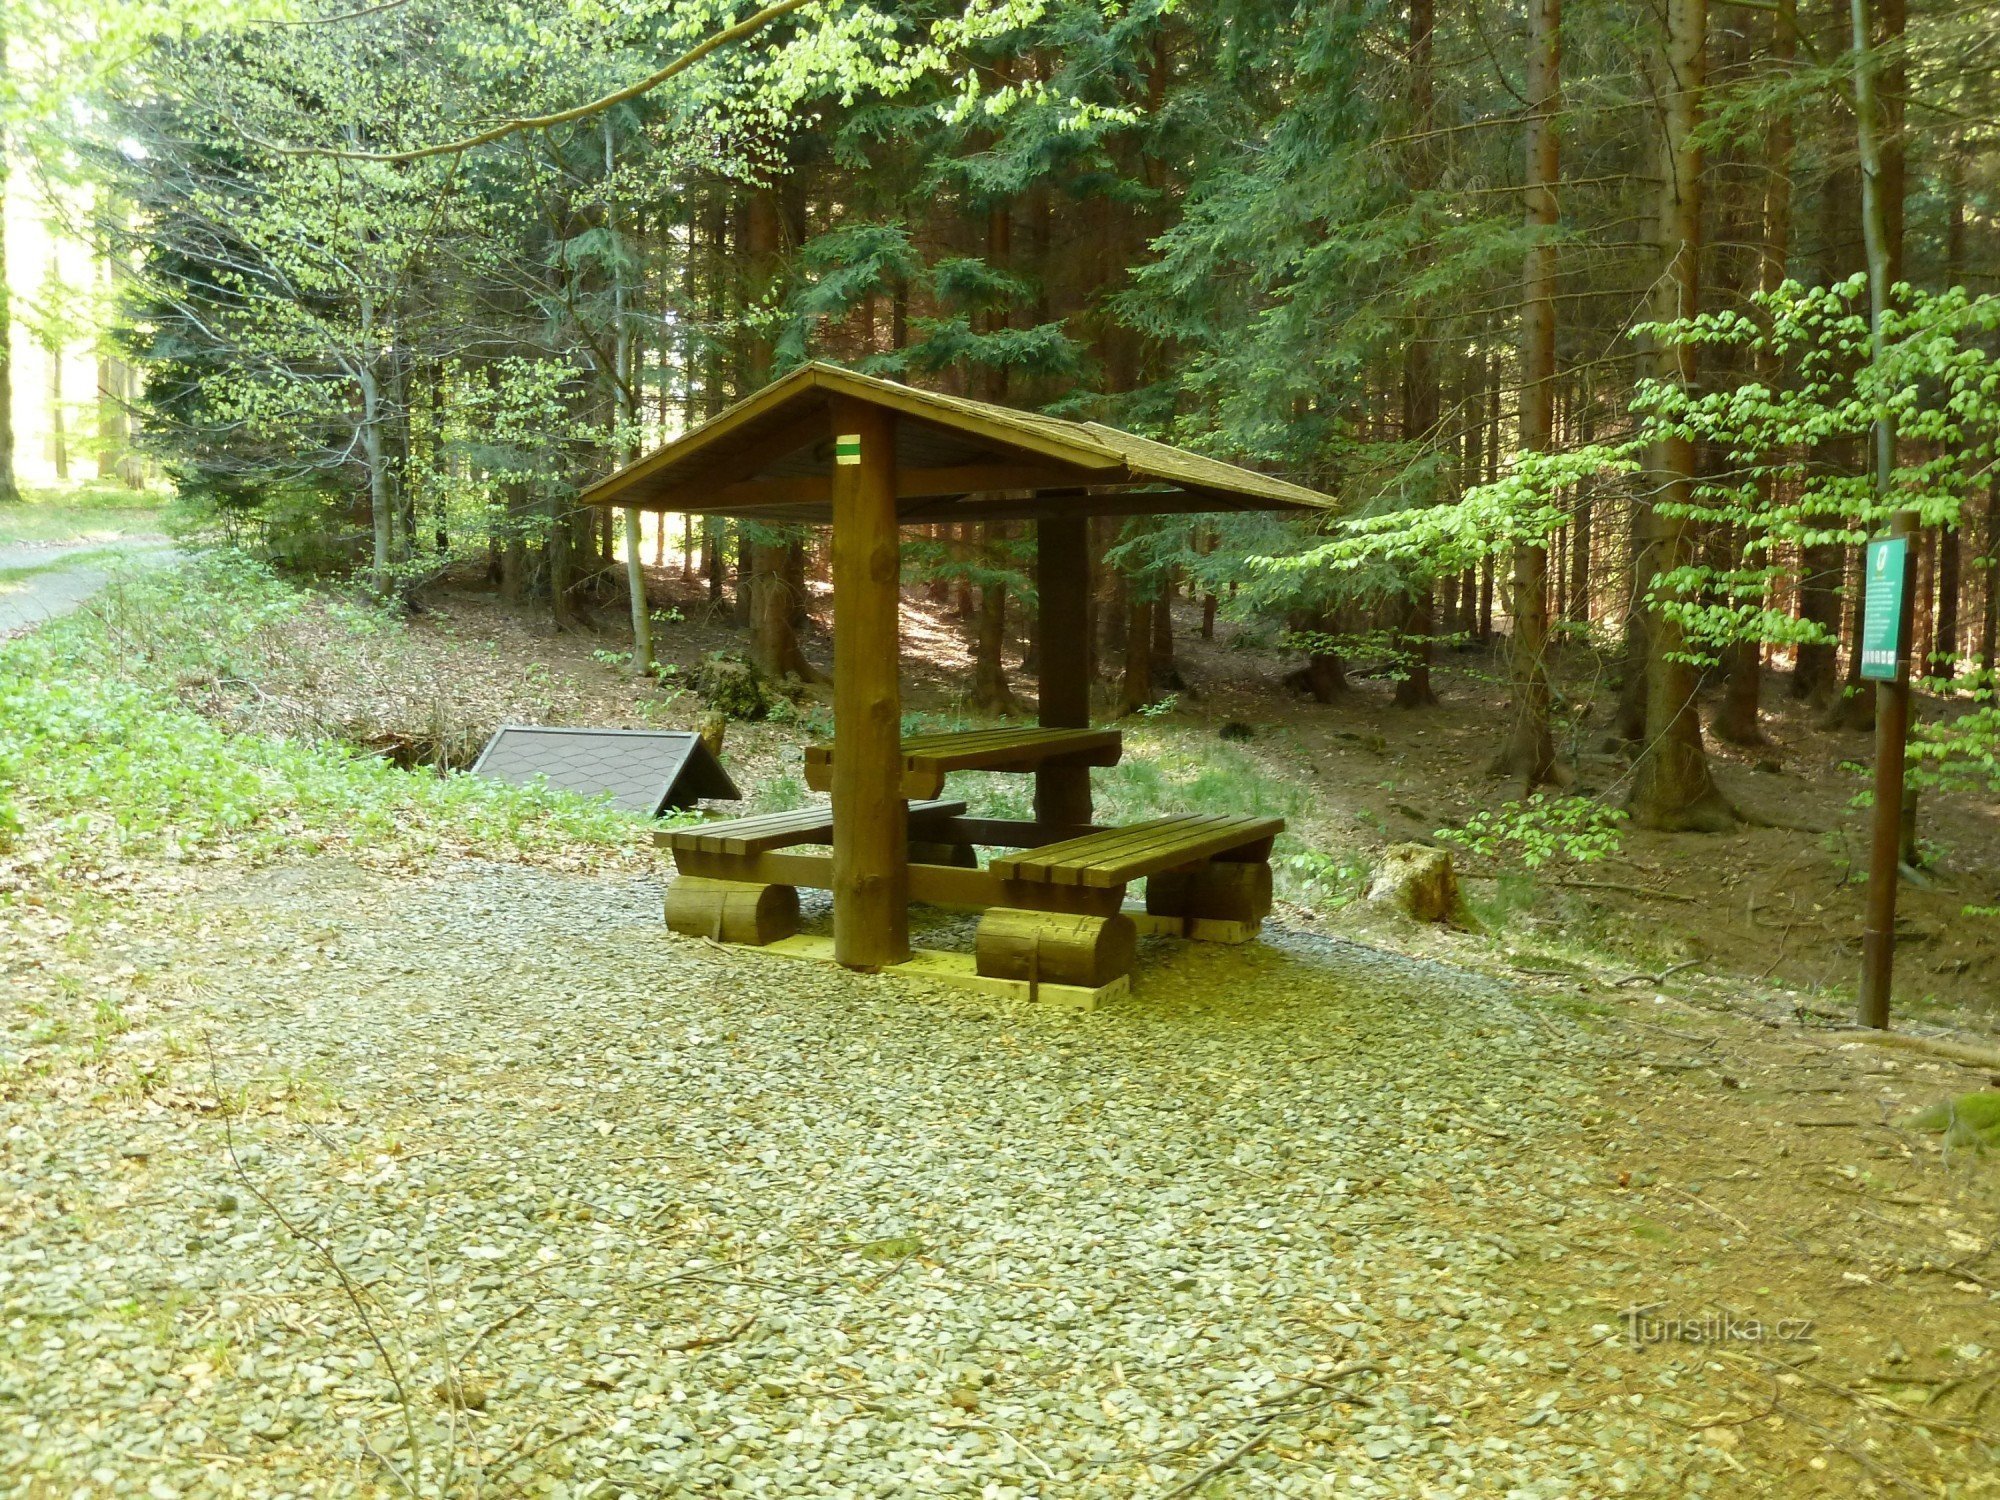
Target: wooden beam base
{"x": 1192, "y": 929}
{"x": 960, "y": 969}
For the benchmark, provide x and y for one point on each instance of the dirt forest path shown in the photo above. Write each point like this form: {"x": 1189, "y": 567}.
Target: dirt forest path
{"x": 480, "y": 1179}
{"x": 40, "y": 582}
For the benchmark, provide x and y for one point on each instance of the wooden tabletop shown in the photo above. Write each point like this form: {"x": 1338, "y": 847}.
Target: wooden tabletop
{"x": 928, "y": 757}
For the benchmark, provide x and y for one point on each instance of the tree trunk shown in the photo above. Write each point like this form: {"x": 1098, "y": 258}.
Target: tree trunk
{"x": 990, "y": 691}
{"x": 10, "y": 491}
{"x": 380, "y": 502}
{"x": 561, "y": 554}
{"x": 774, "y": 644}
{"x": 58, "y": 427}
{"x": 770, "y": 603}
{"x": 1736, "y": 722}
{"x": 743, "y": 604}
{"x": 1879, "y": 83}
{"x": 115, "y": 459}
{"x": 1136, "y": 692}
{"x": 1816, "y": 678}
{"x": 711, "y": 556}
{"x": 1944, "y": 645}
{"x": 1989, "y": 585}
{"x": 1324, "y": 676}
{"x": 1413, "y": 689}
{"x": 1166, "y": 671}
{"x": 1420, "y": 384}
{"x": 642, "y": 614}
{"x": 1529, "y": 751}
{"x": 1579, "y": 562}
{"x": 962, "y": 602}
{"x": 1671, "y": 784}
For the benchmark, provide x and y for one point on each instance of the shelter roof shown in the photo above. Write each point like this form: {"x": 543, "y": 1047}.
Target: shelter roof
{"x": 770, "y": 457}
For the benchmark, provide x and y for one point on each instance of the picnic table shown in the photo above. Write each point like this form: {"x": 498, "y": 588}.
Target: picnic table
{"x": 1054, "y": 910}
{"x": 928, "y": 758}
{"x": 869, "y": 456}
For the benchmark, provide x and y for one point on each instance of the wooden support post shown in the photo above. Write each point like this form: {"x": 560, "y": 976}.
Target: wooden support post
{"x": 1062, "y": 586}
{"x": 871, "y": 869}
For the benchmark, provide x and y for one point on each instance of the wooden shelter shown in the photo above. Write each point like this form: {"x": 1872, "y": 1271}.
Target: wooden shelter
{"x": 867, "y": 456}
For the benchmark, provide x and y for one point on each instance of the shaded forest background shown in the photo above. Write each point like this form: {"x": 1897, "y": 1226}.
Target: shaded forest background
{"x": 1615, "y": 327}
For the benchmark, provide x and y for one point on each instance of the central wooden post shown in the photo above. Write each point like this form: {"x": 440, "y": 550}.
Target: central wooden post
{"x": 1062, "y": 589}
{"x": 871, "y": 869}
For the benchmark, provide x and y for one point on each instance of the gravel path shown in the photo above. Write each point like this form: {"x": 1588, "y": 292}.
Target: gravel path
{"x": 637, "y": 1215}
{"x": 40, "y": 597}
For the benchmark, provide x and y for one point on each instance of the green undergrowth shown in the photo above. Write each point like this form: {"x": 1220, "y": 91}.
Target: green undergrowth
{"x": 1969, "y": 1120}
{"x": 103, "y": 756}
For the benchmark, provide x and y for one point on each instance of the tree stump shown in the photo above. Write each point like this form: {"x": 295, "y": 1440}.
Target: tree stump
{"x": 1418, "y": 881}
{"x": 1218, "y": 891}
{"x": 958, "y": 856}
{"x": 1053, "y": 947}
{"x": 732, "y": 911}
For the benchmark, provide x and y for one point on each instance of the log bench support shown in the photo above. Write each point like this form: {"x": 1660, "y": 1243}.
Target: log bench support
{"x": 1053, "y": 947}
{"x": 1214, "y": 891}
{"x": 732, "y": 911}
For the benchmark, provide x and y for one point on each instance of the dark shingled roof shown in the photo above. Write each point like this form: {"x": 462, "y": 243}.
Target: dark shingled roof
{"x": 646, "y": 771}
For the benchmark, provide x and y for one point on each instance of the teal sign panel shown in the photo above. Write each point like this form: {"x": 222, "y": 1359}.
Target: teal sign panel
{"x": 1882, "y": 608}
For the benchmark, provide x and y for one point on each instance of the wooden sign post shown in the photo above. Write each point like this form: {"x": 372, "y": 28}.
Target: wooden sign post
{"x": 1887, "y": 564}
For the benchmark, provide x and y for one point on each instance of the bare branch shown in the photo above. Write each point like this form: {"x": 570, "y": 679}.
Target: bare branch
{"x": 506, "y": 128}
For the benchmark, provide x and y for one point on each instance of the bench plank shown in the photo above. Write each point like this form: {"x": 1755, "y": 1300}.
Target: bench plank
{"x": 1120, "y": 855}
{"x": 766, "y": 831}
{"x": 1159, "y": 846}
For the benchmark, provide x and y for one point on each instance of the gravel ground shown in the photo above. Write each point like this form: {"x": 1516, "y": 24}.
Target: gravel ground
{"x": 482, "y": 1181}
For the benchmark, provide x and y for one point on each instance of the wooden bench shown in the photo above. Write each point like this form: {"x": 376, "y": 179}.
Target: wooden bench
{"x": 781, "y": 830}
{"x": 1118, "y": 856}
{"x": 1210, "y": 872}
{"x": 928, "y": 758}
{"x": 729, "y": 901}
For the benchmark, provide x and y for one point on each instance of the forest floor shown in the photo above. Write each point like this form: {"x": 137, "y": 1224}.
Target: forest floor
{"x": 391, "y": 1169}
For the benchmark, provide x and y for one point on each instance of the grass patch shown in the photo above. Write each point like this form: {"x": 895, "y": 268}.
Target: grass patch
{"x": 104, "y": 758}
{"x": 82, "y": 513}
{"x": 61, "y": 562}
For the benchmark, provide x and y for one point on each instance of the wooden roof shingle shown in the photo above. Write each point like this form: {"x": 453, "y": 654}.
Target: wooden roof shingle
{"x": 770, "y": 456}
